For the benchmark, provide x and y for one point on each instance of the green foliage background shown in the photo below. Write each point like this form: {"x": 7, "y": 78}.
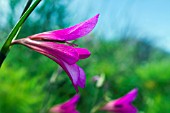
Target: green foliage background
{"x": 127, "y": 63}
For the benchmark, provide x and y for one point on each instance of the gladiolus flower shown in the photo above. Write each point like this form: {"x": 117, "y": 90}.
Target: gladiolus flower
{"x": 123, "y": 104}
{"x": 67, "y": 107}
{"x": 55, "y": 45}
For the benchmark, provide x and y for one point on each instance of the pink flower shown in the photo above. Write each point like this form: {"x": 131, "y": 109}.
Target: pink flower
{"x": 67, "y": 107}
{"x": 55, "y": 45}
{"x": 123, "y": 104}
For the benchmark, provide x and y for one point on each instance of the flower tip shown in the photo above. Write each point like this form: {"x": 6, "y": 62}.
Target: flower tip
{"x": 77, "y": 96}
{"x": 66, "y": 107}
{"x": 83, "y": 53}
{"x": 134, "y": 91}
{"x": 130, "y": 96}
{"x": 97, "y": 16}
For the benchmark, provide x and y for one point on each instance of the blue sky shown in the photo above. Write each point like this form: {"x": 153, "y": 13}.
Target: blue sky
{"x": 146, "y": 17}
{"x": 154, "y": 17}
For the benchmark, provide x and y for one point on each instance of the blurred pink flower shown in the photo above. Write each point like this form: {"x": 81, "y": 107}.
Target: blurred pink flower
{"x": 55, "y": 45}
{"x": 123, "y": 104}
{"x": 95, "y": 78}
{"x": 67, "y": 107}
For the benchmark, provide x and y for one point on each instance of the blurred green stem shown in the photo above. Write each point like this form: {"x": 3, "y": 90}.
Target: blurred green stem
{"x": 52, "y": 81}
{"x": 93, "y": 110}
{"x": 99, "y": 84}
{"x": 13, "y": 34}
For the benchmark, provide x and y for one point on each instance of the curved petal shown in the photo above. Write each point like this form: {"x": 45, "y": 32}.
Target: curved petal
{"x": 65, "y": 56}
{"x": 82, "y": 78}
{"x": 72, "y": 102}
{"x": 49, "y": 36}
{"x": 67, "y": 107}
{"x": 83, "y": 53}
{"x": 128, "y": 98}
{"x": 121, "y": 108}
{"x": 75, "y": 73}
{"x": 60, "y": 51}
{"x": 125, "y": 108}
{"x": 123, "y": 104}
{"x": 70, "y": 33}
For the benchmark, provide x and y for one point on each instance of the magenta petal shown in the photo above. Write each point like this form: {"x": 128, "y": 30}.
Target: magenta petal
{"x": 60, "y": 51}
{"x": 129, "y": 97}
{"x": 123, "y": 104}
{"x": 125, "y": 108}
{"x": 66, "y": 56}
{"x": 82, "y": 78}
{"x": 47, "y": 36}
{"x": 70, "y": 33}
{"x": 67, "y": 107}
{"x": 83, "y": 53}
{"x": 75, "y": 73}
{"x": 72, "y": 102}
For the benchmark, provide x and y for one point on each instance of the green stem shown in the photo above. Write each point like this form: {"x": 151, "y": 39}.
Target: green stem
{"x": 47, "y": 99}
{"x": 52, "y": 81}
{"x": 2, "y": 58}
{"x": 6, "y": 47}
{"x": 93, "y": 110}
{"x": 26, "y": 7}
